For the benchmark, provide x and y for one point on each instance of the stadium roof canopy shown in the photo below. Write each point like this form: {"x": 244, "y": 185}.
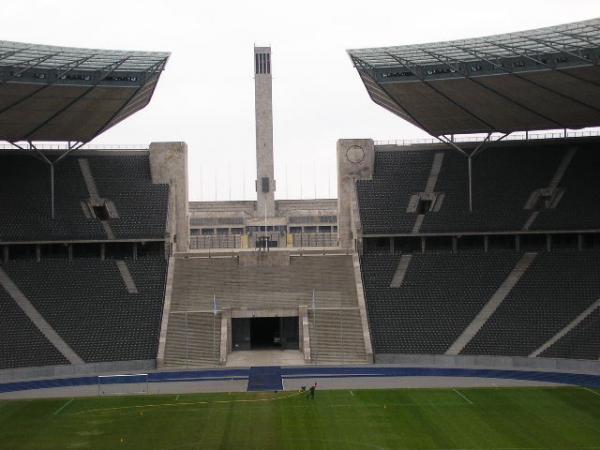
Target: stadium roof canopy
{"x": 50, "y": 93}
{"x": 540, "y": 79}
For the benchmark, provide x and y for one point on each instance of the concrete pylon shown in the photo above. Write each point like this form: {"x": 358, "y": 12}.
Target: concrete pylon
{"x": 263, "y": 100}
{"x": 355, "y": 161}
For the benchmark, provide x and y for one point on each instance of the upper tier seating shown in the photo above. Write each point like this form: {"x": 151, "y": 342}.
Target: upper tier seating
{"x": 578, "y": 209}
{"x": 123, "y": 179}
{"x": 86, "y": 302}
{"x": 383, "y": 201}
{"x": 504, "y": 177}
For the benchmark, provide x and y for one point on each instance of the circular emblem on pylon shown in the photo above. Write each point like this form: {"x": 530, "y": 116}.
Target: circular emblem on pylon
{"x": 355, "y": 154}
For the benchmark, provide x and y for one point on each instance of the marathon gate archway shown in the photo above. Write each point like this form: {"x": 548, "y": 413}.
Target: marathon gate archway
{"x": 261, "y": 333}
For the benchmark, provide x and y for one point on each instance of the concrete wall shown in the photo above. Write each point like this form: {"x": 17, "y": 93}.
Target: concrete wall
{"x": 319, "y": 204}
{"x": 491, "y": 362}
{"x": 162, "y": 340}
{"x": 116, "y": 367}
{"x": 233, "y": 206}
{"x": 168, "y": 164}
{"x": 355, "y": 161}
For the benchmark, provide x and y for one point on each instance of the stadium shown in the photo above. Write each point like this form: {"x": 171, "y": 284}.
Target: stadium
{"x": 448, "y": 298}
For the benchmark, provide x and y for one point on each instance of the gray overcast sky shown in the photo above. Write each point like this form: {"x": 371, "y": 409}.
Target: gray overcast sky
{"x": 206, "y": 94}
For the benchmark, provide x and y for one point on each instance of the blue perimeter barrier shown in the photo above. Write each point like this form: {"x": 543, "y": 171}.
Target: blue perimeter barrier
{"x": 585, "y": 380}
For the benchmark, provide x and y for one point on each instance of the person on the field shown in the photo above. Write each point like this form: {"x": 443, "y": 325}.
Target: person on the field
{"x": 311, "y": 392}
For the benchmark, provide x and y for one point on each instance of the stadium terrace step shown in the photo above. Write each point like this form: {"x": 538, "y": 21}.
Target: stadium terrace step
{"x": 336, "y": 336}
{"x": 193, "y": 339}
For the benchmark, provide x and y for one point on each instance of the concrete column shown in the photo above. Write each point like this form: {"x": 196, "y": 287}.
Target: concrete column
{"x": 486, "y": 243}
{"x": 102, "y": 251}
{"x": 225, "y": 343}
{"x": 392, "y": 249}
{"x": 304, "y": 326}
{"x": 423, "y": 244}
{"x": 38, "y": 253}
{"x": 355, "y": 161}
{"x": 518, "y": 243}
{"x": 168, "y": 164}
{"x": 548, "y": 243}
{"x": 454, "y": 244}
{"x": 263, "y": 103}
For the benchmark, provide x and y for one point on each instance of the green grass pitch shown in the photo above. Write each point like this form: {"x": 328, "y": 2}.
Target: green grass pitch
{"x": 486, "y": 418}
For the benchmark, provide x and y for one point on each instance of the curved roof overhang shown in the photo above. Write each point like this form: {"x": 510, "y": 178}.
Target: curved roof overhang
{"x": 540, "y": 79}
{"x": 50, "y": 93}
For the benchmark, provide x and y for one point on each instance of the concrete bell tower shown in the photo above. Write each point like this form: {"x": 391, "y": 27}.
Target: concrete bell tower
{"x": 263, "y": 100}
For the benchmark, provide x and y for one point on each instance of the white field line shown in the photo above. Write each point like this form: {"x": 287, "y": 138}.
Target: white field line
{"x": 332, "y": 405}
{"x": 202, "y": 402}
{"x": 177, "y": 398}
{"x": 593, "y": 392}
{"x": 367, "y": 445}
{"x": 67, "y": 403}
{"x": 464, "y": 397}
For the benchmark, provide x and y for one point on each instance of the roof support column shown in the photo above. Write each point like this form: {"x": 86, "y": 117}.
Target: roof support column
{"x": 469, "y": 159}
{"x": 72, "y": 146}
{"x": 470, "y": 156}
{"x": 52, "y": 191}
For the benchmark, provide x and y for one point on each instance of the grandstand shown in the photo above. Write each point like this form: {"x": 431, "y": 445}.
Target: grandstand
{"x": 92, "y": 284}
{"x": 85, "y": 234}
{"x": 484, "y": 247}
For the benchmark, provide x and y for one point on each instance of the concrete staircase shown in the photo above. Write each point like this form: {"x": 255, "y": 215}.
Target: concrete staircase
{"x": 198, "y": 280}
{"x": 336, "y": 336}
{"x": 328, "y": 282}
{"x": 193, "y": 339}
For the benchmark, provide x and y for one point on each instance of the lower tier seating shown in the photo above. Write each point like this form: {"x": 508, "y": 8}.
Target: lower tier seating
{"x": 582, "y": 342}
{"x": 441, "y": 294}
{"x": 87, "y": 303}
{"x": 556, "y": 288}
{"x": 21, "y": 343}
